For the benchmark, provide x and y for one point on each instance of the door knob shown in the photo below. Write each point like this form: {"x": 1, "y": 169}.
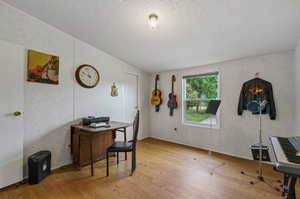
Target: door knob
{"x": 17, "y": 113}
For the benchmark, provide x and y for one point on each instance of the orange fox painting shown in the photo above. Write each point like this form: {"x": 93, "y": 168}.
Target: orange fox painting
{"x": 42, "y": 68}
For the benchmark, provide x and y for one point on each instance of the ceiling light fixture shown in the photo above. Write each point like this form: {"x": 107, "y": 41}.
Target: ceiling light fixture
{"x": 153, "y": 21}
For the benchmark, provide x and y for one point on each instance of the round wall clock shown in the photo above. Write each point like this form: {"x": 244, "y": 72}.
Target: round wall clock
{"x": 87, "y": 76}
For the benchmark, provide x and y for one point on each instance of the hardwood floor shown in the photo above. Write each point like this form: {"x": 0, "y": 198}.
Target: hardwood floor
{"x": 164, "y": 171}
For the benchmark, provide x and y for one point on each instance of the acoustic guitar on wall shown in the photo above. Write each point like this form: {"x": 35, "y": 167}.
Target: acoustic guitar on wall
{"x": 156, "y": 96}
{"x": 172, "y": 103}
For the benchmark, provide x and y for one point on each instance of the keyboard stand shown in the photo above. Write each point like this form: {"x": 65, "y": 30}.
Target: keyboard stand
{"x": 292, "y": 192}
{"x": 289, "y": 186}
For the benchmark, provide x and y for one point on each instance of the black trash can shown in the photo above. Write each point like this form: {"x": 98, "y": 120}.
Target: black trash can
{"x": 39, "y": 166}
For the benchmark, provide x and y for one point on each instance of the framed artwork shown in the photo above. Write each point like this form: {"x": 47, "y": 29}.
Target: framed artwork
{"x": 42, "y": 68}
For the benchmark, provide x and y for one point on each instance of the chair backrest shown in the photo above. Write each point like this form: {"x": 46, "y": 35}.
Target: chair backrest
{"x": 136, "y": 127}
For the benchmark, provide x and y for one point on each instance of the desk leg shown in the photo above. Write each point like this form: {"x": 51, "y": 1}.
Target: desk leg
{"x": 125, "y": 139}
{"x": 292, "y": 193}
{"x": 91, "y": 155}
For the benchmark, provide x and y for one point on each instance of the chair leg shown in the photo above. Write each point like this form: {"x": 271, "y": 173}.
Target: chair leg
{"x": 117, "y": 158}
{"x": 107, "y": 163}
{"x": 125, "y": 140}
{"x": 133, "y": 161}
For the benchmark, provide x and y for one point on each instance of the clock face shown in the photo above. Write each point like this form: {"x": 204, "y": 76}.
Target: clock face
{"x": 87, "y": 76}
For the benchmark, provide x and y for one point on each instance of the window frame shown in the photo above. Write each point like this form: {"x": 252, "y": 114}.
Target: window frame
{"x": 196, "y": 124}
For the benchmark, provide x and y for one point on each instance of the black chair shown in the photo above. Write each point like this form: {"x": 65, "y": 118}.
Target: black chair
{"x": 123, "y": 130}
{"x": 129, "y": 146}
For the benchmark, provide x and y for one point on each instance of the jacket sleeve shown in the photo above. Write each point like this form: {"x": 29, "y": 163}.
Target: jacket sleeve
{"x": 241, "y": 101}
{"x": 272, "y": 112}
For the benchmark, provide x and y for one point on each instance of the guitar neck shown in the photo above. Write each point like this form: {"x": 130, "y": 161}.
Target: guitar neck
{"x": 156, "y": 79}
{"x": 173, "y": 86}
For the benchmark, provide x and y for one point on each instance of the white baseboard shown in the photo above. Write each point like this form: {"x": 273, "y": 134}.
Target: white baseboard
{"x": 143, "y": 137}
{"x": 204, "y": 148}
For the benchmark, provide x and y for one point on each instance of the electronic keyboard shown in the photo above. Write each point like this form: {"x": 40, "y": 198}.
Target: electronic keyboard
{"x": 287, "y": 154}
{"x": 287, "y": 161}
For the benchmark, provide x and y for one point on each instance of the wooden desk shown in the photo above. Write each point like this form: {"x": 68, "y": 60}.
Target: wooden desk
{"x": 90, "y": 144}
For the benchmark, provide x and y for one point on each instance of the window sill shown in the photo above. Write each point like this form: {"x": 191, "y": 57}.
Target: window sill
{"x": 202, "y": 125}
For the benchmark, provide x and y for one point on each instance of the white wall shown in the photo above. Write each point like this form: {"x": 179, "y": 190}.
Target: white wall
{"x": 297, "y": 88}
{"x": 236, "y": 132}
{"x": 50, "y": 109}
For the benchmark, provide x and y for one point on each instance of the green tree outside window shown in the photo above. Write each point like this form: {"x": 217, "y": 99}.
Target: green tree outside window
{"x": 199, "y": 90}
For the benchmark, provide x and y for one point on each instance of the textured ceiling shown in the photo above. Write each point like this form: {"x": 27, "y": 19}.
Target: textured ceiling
{"x": 190, "y": 32}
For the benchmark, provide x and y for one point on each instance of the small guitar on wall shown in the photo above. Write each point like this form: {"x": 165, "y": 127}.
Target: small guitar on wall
{"x": 156, "y": 96}
{"x": 172, "y": 103}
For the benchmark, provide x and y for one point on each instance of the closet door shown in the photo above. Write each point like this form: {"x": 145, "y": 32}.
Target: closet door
{"x": 11, "y": 113}
{"x": 130, "y": 100}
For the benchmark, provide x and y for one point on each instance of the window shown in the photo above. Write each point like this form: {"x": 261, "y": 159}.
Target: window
{"x": 197, "y": 91}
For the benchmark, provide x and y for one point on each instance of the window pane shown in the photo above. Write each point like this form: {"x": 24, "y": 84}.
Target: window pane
{"x": 198, "y": 91}
{"x": 195, "y": 113}
{"x": 202, "y": 87}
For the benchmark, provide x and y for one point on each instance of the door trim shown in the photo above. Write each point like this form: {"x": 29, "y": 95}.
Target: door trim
{"x": 137, "y": 75}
